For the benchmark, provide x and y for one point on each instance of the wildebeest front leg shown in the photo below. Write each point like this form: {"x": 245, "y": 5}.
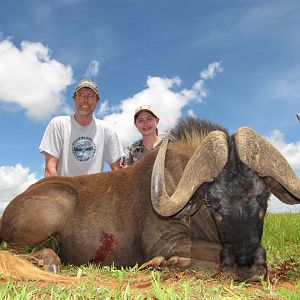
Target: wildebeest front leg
{"x": 204, "y": 254}
{"x": 177, "y": 262}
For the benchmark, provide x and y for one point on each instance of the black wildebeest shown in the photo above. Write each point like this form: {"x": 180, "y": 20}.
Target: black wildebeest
{"x": 219, "y": 186}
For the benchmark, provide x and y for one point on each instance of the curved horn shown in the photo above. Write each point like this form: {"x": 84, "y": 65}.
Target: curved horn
{"x": 259, "y": 155}
{"x": 206, "y": 163}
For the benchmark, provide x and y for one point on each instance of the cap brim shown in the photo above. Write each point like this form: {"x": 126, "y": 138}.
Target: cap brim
{"x": 94, "y": 90}
{"x": 148, "y": 110}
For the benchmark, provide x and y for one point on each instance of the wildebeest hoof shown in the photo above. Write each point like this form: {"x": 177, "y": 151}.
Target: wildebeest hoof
{"x": 174, "y": 262}
{"x": 155, "y": 262}
{"x": 177, "y": 262}
{"x": 53, "y": 268}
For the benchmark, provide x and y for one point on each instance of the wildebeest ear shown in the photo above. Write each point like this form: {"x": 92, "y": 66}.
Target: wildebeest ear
{"x": 280, "y": 192}
{"x": 190, "y": 208}
{"x": 193, "y": 204}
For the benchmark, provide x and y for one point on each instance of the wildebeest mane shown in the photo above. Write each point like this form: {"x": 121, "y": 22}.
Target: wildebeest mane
{"x": 193, "y": 130}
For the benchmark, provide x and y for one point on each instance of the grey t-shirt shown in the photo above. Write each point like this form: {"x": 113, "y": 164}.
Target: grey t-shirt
{"x": 80, "y": 149}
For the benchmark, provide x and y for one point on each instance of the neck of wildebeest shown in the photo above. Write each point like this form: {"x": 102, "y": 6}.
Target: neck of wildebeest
{"x": 178, "y": 154}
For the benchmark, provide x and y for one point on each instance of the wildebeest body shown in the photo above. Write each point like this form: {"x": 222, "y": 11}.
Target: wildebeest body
{"x": 82, "y": 222}
{"x": 124, "y": 217}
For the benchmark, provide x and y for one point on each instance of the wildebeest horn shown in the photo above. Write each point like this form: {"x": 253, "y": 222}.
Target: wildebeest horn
{"x": 206, "y": 163}
{"x": 259, "y": 155}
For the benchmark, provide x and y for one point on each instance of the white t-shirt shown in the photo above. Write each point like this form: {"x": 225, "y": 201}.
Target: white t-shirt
{"x": 80, "y": 149}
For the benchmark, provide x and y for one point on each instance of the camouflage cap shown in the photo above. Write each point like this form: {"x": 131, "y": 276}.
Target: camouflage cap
{"x": 86, "y": 83}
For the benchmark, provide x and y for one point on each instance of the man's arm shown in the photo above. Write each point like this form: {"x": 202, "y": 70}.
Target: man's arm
{"x": 50, "y": 165}
{"x": 116, "y": 165}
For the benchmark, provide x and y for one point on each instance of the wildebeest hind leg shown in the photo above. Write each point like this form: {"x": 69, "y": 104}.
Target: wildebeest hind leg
{"x": 32, "y": 217}
{"x": 45, "y": 258}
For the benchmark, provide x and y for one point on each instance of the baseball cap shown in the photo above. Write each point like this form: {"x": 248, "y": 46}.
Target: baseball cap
{"x": 145, "y": 107}
{"x": 86, "y": 83}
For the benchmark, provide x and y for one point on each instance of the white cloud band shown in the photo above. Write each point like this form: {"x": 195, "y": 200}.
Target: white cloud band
{"x": 31, "y": 79}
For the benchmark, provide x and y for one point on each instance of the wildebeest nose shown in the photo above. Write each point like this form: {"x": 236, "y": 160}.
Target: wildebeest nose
{"x": 244, "y": 261}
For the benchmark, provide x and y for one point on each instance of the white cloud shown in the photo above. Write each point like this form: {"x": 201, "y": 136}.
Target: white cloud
{"x": 212, "y": 70}
{"x": 104, "y": 108}
{"x": 166, "y": 97}
{"x": 32, "y": 80}
{"x": 92, "y": 69}
{"x": 13, "y": 181}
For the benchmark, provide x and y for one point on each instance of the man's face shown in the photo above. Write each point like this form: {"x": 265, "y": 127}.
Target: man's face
{"x": 85, "y": 101}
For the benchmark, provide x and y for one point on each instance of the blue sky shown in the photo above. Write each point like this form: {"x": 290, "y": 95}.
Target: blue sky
{"x": 232, "y": 62}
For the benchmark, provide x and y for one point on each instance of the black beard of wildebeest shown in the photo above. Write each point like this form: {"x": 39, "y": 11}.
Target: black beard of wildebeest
{"x": 197, "y": 201}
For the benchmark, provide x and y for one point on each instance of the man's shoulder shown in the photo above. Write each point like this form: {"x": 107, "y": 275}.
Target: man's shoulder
{"x": 103, "y": 125}
{"x": 61, "y": 119}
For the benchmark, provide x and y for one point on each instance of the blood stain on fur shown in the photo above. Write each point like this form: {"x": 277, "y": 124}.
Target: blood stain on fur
{"x": 105, "y": 248}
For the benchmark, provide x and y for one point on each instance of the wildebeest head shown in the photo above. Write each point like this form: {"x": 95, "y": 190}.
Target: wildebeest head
{"x": 237, "y": 200}
{"x": 241, "y": 172}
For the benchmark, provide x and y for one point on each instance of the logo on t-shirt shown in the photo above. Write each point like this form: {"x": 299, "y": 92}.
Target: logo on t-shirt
{"x": 83, "y": 148}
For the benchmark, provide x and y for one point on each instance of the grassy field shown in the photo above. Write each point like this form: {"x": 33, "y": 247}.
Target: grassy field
{"x": 281, "y": 240}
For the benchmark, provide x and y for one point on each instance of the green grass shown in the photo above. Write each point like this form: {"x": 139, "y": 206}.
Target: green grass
{"x": 282, "y": 234}
{"x": 281, "y": 240}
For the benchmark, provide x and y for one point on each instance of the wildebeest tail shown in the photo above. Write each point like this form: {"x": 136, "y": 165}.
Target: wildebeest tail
{"x": 12, "y": 266}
